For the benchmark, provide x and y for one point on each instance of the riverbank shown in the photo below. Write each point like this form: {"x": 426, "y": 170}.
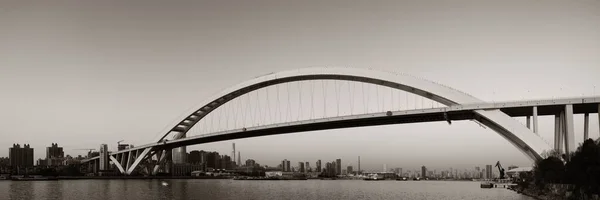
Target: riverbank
{"x": 539, "y": 195}
{"x": 113, "y": 178}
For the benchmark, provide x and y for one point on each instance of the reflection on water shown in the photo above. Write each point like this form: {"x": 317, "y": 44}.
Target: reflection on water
{"x": 231, "y": 189}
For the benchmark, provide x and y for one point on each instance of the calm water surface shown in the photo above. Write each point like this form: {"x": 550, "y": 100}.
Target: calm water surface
{"x": 231, "y": 189}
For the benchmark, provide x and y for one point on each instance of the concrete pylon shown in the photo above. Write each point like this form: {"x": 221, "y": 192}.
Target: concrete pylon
{"x": 586, "y": 126}
{"x": 556, "y": 132}
{"x": 569, "y": 131}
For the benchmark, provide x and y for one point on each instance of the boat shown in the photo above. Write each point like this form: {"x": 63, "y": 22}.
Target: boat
{"x": 402, "y": 179}
{"x": 487, "y": 185}
{"x": 374, "y": 177}
{"x": 417, "y": 179}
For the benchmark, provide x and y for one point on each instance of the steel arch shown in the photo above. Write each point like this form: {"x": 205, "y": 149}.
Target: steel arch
{"x": 517, "y": 134}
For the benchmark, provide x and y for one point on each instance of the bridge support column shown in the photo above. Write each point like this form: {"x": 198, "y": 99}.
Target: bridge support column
{"x": 569, "y": 131}
{"x": 129, "y": 160}
{"x": 586, "y": 126}
{"x": 138, "y": 160}
{"x": 557, "y": 133}
{"x": 116, "y": 162}
{"x": 535, "y": 120}
{"x": 528, "y": 122}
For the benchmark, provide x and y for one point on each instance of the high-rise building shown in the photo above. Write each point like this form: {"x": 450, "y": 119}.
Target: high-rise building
{"x": 250, "y": 163}
{"x": 54, "y": 151}
{"x": 20, "y": 157}
{"x": 226, "y": 162}
{"x": 338, "y": 165}
{"x": 104, "y": 157}
{"x": 307, "y": 167}
{"x": 54, "y": 155}
{"x": 423, "y": 172}
{"x": 233, "y": 152}
{"x": 349, "y": 169}
{"x": 179, "y": 155}
{"x": 319, "y": 166}
{"x": 194, "y": 157}
{"x": 301, "y": 167}
{"x": 488, "y": 172}
{"x": 213, "y": 160}
{"x": 285, "y": 166}
{"x": 358, "y": 164}
{"x": 239, "y": 158}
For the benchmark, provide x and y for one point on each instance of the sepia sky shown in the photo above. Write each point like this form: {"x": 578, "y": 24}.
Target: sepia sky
{"x": 82, "y": 73}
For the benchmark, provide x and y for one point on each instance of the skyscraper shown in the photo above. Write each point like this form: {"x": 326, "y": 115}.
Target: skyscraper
{"x": 307, "y": 166}
{"x": 349, "y": 169}
{"x": 338, "y": 165}
{"x": 358, "y": 164}
{"x": 423, "y": 172}
{"x": 104, "y": 157}
{"x": 233, "y": 152}
{"x": 319, "y": 166}
{"x": 239, "y": 158}
{"x": 488, "y": 172}
{"x": 301, "y": 167}
{"x": 20, "y": 157}
{"x": 285, "y": 165}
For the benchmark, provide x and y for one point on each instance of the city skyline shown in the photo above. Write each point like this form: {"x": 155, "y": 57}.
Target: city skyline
{"x": 90, "y": 83}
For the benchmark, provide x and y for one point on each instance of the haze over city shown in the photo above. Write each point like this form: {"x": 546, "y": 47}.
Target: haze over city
{"x": 85, "y": 73}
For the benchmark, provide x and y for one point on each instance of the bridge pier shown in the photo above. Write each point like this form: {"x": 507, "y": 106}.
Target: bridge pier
{"x": 535, "y": 120}
{"x": 586, "y": 126}
{"x": 569, "y": 131}
{"x": 528, "y": 122}
{"x": 557, "y": 133}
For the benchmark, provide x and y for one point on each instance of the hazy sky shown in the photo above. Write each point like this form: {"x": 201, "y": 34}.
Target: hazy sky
{"x": 82, "y": 73}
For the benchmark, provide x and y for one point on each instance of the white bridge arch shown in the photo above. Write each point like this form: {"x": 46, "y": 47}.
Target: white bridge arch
{"x": 516, "y": 133}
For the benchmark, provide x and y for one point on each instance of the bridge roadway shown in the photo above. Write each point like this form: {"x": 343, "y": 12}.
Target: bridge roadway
{"x": 452, "y": 113}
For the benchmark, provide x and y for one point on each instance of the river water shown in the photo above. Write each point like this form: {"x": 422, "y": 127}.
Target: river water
{"x": 237, "y": 189}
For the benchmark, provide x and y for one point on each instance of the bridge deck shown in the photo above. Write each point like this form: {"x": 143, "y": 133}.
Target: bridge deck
{"x": 460, "y": 112}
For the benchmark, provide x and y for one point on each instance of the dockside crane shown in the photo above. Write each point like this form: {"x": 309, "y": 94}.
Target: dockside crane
{"x": 500, "y": 169}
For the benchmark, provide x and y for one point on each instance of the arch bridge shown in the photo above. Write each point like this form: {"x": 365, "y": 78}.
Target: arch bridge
{"x": 458, "y": 105}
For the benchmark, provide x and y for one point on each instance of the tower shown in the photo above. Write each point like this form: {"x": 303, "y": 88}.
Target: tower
{"x": 358, "y": 164}
{"x": 104, "y": 157}
{"x": 233, "y": 152}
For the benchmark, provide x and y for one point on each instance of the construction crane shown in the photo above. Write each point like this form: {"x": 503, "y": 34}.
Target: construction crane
{"x": 500, "y": 169}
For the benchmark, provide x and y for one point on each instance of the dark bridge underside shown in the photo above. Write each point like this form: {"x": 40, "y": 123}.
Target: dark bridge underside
{"x": 351, "y": 123}
{"x": 550, "y": 109}
{"x": 377, "y": 121}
